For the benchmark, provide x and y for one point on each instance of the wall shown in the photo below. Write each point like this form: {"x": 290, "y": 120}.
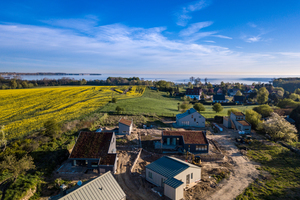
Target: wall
{"x": 196, "y": 175}
{"x": 170, "y": 192}
{"x": 156, "y": 178}
{"x": 192, "y": 148}
{"x": 199, "y": 118}
{"x": 112, "y": 147}
{"x": 124, "y": 129}
{"x": 105, "y": 168}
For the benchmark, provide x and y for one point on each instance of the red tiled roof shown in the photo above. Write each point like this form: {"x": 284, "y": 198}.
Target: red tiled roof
{"x": 125, "y": 121}
{"x": 91, "y": 145}
{"x": 189, "y": 137}
{"x": 194, "y": 91}
{"x": 238, "y": 113}
{"x": 244, "y": 123}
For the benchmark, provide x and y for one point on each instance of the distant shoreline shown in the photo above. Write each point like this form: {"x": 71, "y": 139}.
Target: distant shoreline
{"x": 47, "y": 73}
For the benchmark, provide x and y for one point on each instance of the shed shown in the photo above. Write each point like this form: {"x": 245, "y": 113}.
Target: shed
{"x": 125, "y": 126}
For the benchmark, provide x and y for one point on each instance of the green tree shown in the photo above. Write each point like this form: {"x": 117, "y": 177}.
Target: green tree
{"x": 232, "y": 110}
{"x": 295, "y": 115}
{"x": 265, "y": 110}
{"x": 262, "y": 95}
{"x": 83, "y": 82}
{"x": 217, "y": 107}
{"x": 297, "y": 91}
{"x": 24, "y": 84}
{"x": 3, "y": 140}
{"x": 185, "y": 106}
{"x": 17, "y": 167}
{"x": 294, "y": 96}
{"x": 238, "y": 93}
{"x": 279, "y": 129}
{"x": 114, "y": 100}
{"x": 13, "y": 84}
{"x": 119, "y": 109}
{"x": 199, "y": 107}
{"x": 253, "y": 118}
{"x": 52, "y": 128}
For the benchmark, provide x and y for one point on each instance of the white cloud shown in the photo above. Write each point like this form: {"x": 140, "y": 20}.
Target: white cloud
{"x": 184, "y": 15}
{"x": 122, "y": 49}
{"x": 223, "y": 36}
{"x": 193, "y": 28}
{"x": 252, "y": 25}
{"x": 253, "y": 39}
{"x": 210, "y": 41}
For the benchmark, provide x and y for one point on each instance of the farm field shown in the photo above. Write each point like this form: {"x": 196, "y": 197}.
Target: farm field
{"x": 25, "y": 110}
{"x": 159, "y": 103}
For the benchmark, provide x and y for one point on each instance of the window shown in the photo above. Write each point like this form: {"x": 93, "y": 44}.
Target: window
{"x": 194, "y": 119}
{"x": 191, "y": 175}
{"x": 150, "y": 174}
{"x": 197, "y": 148}
{"x": 192, "y": 116}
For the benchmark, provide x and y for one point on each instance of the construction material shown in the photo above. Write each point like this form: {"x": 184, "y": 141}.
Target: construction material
{"x": 136, "y": 159}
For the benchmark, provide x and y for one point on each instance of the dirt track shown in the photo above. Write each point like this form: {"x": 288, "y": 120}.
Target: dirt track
{"x": 243, "y": 173}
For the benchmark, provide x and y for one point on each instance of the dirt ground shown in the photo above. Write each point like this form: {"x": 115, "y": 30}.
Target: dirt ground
{"x": 243, "y": 172}
{"x": 134, "y": 185}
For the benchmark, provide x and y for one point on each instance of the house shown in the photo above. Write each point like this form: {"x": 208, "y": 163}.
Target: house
{"x": 219, "y": 99}
{"x": 194, "y": 93}
{"x": 101, "y": 188}
{"x": 95, "y": 150}
{"x": 232, "y": 92}
{"x": 125, "y": 126}
{"x": 190, "y": 118}
{"x": 173, "y": 175}
{"x": 237, "y": 120}
{"x": 192, "y": 141}
{"x": 239, "y": 99}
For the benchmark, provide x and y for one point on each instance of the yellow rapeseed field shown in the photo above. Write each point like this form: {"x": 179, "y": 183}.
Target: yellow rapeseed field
{"x": 25, "y": 110}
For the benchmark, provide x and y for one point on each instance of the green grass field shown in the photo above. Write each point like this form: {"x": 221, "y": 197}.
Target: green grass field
{"x": 280, "y": 173}
{"x": 159, "y": 103}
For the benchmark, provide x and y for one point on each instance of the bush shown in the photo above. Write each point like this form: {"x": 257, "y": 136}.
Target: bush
{"x": 199, "y": 107}
{"x": 264, "y": 110}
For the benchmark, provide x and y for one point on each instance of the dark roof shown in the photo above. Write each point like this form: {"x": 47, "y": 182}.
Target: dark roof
{"x": 189, "y": 137}
{"x": 103, "y": 187}
{"x": 194, "y": 91}
{"x": 125, "y": 122}
{"x": 238, "y": 98}
{"x": 290, "y": 120}
{"x": 91, "y": 145}
{"x": 173, "y": 182}
{"x": 186, "y": 113}
{"x": 219, "y": 97}
{"x": 238, "y": 113}
{"x": 108, "y": 159}
{"x": 167, "y": 166}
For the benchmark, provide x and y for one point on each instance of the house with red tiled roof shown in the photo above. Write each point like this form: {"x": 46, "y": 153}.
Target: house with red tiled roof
{"x": 125, "y": 126}
{"x": 95, "y": 150}
{"x": 193, "y": 93}
{"x": 192, "y": 141}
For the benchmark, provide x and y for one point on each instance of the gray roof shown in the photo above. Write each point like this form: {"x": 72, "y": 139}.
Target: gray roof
{"x": 173, "y": 182}
{"x": 102, "y": 188}
{"x": 186, "y": 113}
{"x": 167, "y": 166}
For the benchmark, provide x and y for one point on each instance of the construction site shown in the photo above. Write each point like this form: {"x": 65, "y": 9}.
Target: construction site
{"x": 224, "y": 167}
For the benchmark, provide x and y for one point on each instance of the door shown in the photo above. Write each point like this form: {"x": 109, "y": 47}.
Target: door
{"x": 187, "y": 179}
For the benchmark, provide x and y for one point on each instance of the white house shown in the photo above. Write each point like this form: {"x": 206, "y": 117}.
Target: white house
{"x": 173, "y": 175}
{"x": 194, "y": 93}
{"x": 190, "y": 118}
{"x": 125, "y": 126}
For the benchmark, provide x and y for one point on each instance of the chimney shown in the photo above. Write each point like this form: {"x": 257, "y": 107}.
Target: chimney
{"x": 63, "y": 190}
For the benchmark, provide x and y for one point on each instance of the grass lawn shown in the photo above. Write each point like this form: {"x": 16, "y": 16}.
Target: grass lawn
{"x": 159, "y": 103}
{"x": 282, "y": 180}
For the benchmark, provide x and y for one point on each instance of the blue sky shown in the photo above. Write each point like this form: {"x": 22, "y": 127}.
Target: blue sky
{"x": 151, "y": 36}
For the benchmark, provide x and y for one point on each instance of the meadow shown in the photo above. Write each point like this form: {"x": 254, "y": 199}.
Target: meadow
{"x": 25, "y": 110}
{"x": 161, "y": 104}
